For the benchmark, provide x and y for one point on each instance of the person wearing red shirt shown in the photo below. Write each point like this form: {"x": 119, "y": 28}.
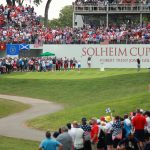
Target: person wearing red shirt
{"x": 139, "y": 122}
{"x": 1, "y": 20}
{"x": 94, "y": 133}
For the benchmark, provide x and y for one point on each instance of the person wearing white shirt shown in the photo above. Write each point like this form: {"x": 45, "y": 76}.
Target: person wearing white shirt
{"x": 108, "y": 128}
{"x": 78, "y": 136}
{"x": 147, "y": 127}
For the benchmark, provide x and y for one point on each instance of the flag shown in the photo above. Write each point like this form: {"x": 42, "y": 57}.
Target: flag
{"x": 12, "y": 49}
{"x": 2, "y": 46}
{"x": 24, "y": 46}
{"x": 108, "y": 110}
{"x": 36, "y": 44}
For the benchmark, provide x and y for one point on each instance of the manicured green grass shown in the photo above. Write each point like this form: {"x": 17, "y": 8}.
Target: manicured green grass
{"x": 86, "y": 93}
{"x": 17, "y": 144}
{"x": 8, "y": 107}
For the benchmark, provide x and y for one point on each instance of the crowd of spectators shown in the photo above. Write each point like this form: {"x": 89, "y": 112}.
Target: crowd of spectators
{"x": 39, "y": 64}
{"x": 105, "y": 2}
{"x": 132, "y": 132}
{"x": 19, "y": 24}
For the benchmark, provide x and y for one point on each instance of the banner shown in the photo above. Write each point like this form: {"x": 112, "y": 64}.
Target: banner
{"x": 12, "y": 49}
{"x": 107, "y": 56}
{"x": 24, "y": 46}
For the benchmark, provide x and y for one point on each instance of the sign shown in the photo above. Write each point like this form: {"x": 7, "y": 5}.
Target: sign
{"x": 110, "y": 56}
{"x": 12, "y": 49}
{"x": 24, "y": 46}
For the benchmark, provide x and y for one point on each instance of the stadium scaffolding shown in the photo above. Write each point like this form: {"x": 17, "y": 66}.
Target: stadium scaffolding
{"x": 107, "y": 9}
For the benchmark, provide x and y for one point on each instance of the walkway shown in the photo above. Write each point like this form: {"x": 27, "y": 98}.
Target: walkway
{"x": 14, "y": 125}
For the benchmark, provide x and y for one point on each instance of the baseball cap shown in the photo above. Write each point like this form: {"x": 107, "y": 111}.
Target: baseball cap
{"x": 84, "y": 119}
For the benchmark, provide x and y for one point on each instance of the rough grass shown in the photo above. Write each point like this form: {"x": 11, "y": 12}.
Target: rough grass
{"x": 86, "y": 93}
{"x": 17, "y": 144}
{"x": 8, "y": 107}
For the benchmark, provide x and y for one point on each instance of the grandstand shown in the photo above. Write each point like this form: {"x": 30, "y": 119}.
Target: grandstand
{"x": 103, "y": 12}
{"x": 103, "y": 23}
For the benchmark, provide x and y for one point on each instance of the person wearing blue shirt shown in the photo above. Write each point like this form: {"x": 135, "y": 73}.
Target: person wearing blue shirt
{"x": 127, "y": 125}
{"x": 50, "y": 144}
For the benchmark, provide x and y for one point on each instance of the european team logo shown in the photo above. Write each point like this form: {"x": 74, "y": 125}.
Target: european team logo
{"x": 12, "y": 49}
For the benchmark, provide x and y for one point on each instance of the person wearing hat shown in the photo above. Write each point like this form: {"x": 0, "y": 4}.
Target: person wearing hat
{"x": 108, "y": 118}
{"x": 87, "y": 137}
{"x": 108, "y": 132}
{"x": 49, "y": 144}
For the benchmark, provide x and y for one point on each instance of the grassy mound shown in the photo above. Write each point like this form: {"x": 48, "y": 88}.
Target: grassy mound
{"x": 8, "y": 107}
{"x": 87, "y": 93}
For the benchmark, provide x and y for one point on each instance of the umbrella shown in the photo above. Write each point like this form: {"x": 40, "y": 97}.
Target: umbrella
{"x": 41, "y": 54}
{"x": 47, "y": 54}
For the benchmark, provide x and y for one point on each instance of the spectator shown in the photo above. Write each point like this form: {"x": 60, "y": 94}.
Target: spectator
{"x": 147, "y": 127}
{"x": 127, "y": 125}
{"x": 65, "y": 139}
{"x": 49, "y": 143}
{"x": 94, "y": 133}
{"x": 78, "y": 137}
{"x": 108, "y": 132}
{"x": 86, "y": 128}
{"x": 19, "y": 24}
{"x": 129, "y": 143}
{"x": 116, "y": 131}
{"x": 138, "y": 64}
{"x": 139, "y": 122}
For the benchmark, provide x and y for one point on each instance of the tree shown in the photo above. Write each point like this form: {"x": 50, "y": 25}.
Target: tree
{"x": 46, "y": 12}
{"x": 54, "y": 23}
{"x": 65, "y": 18}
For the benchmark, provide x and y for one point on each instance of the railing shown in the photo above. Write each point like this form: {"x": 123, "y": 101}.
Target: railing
{"x": 112, "y": 8}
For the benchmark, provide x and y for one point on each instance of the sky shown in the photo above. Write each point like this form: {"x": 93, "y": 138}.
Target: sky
{"x": 55, "y": 7}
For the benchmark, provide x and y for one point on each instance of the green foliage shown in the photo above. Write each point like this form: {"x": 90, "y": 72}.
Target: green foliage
{"x": 8, "y": 107}
{"x": 65, "y": 18}
{"x": 54, "y": 23}
{"x": 17, "y": 144}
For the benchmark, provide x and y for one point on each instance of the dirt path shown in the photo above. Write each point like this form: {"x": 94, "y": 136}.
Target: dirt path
{"x": 14, "y": 125}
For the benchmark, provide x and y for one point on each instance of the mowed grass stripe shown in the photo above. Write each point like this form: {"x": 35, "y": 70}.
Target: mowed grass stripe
{"x": 86, "y": 93}
{"x": 8, "y": 107}
{"x": 118, "y": 107}
{"x": 73, "y": 74}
